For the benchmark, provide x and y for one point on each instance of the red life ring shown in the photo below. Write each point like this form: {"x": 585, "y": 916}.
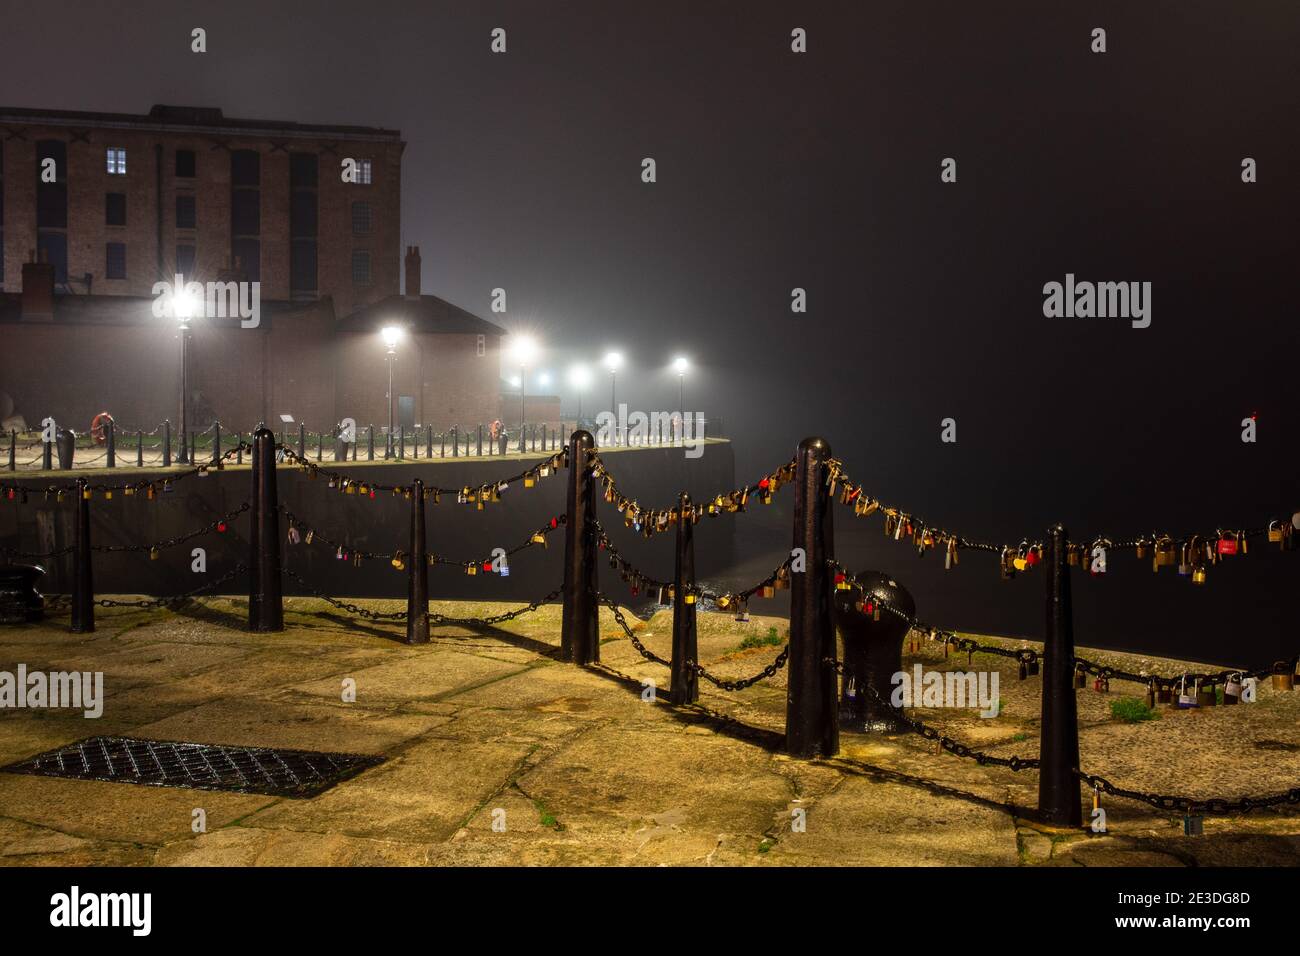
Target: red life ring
{"x": 97, "y": 427}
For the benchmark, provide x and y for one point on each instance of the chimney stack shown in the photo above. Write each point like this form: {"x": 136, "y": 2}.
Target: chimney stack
{"x": 38, "y": 289}
{"x": 412, "y": 272}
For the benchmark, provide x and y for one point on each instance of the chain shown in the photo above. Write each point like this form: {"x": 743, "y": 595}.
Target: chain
{"x": 497, "y": 618}
{"x": 63, "y": 602}
{"x": 1216, "y": 806}
{"x": 1222, "y": 677}
{"x": 344, "y": 605}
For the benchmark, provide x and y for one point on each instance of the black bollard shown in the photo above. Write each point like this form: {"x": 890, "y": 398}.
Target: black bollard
{"x": 442, "y": 445}
{"x": 417, "y": 587}
{"x": 504, "y": 443}
{"x": 428, "y": 441}
{"x": 579, "y": 633}
{"x": 83, "y": 588}
{"x": 873, "y": 650}
{"x": 239, "y": 448}
{"x": 811, "y": 724}
{"x": 685, "y": 680}
{"x": 1058, "y": 787}
{"x": 415, "y": 443}
{"x": 479, "y": 448}
{"x": 354, "y": 447}
{"x": 139, "y": 449}
{"x": 47, "y": 450}
{"x": 302, "y": 440}
{"x": 265, "y": 601}
{"x": 340, "y": 448}
{"x": 110, "y": 445}
{"x": 216, "y": 442}
{"x": 320, "y": 444}
{"x": 523, "y": 438}
{"x": 194, "y": 448}
{"x": 401, "y": 441}
{"x": 67, "y": 445}
{"x": 13, "y": 449}
{"x": 455, "y": 441}
{"x": 370, "y": 443}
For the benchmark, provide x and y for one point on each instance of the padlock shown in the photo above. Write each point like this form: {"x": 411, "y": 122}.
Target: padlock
{"x": 1283, "y": 677}
{"x": 1232, "y": 689}
{"x": 1080, "y": 678}
{"x": 1206, "y": 696}
{"x": 1164, "y": 693}
{"x": 1024, "y": 669}
{"x": 1199, "y": 575}
{"x": 1033, "y": 666}
{"x": 1186, "y": 696}
{"x": 1151, "y": 696}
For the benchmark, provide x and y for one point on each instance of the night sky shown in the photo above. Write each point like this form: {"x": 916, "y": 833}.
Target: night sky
{"x": 822, "y": 171}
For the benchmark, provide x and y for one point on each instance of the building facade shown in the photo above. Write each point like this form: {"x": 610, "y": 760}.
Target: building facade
{"x": 97, "y": 208}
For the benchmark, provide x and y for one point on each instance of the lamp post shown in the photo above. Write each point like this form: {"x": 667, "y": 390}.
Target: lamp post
{"x": 524, "y": 350}
{"x": 612, "y": 362}
{"x": 681, "y": 365}
{"x": 390, "y": 334}
{"x": 183, "y": 304}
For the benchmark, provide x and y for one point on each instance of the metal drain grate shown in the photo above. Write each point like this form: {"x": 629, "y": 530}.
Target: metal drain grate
{"x": 165, "y": 763}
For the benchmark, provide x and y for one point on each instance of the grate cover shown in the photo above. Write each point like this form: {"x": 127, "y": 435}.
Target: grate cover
{"x": 165, "y": 763}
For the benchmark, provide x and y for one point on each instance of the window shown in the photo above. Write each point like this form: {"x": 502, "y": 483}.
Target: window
{"x": 245, "y": 168}
{"x": 52, "y": 198}
{"x": 185, "y": 163}
{"x": 116, "y": 159}
{"x": 361, "y": 219}
{"x": 115, "y": 261}
{"x": 246, "y": 212}
{"x": 185, "y": 214}
{"x": 303, "y": 171}
{"x": 360, "y": 267}
{"x": 115, "y": 209}
{"x": 185, "y": 260}
{"x": 247, "y": 257}
{"x": 481, "y": 348}
{"x": 363, "y": 172}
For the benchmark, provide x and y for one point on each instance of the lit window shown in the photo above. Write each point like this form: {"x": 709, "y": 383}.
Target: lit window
{"x": 116, "y": 157}
{"x": 363, "y": 172}
{"x": 482, "y": 345}
{"x": 360, "y": 267}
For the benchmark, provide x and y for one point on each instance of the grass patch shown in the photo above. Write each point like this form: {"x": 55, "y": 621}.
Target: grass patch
{"x": 546, "y": 818}
{"x": 766, "y": 845}
{"x": 770, "y": 639}
{"x": 1132, "y": 710}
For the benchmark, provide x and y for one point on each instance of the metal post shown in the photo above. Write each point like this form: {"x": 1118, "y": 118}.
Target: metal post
{"x": 354, "y": 447}
{"x": 417, "y": 587}
{"x": 83, "y": 588}
{"x": 579, "y": 635}
{"x": 685, "y": 681}
{"x": 185, "y": 396}
{"x": 478, "y": 450}
{"x": 320, "y": 444}
{"x": 811, "y": 724}
{"x": 216, "y": 442}
{"x": 67, "y": 447}
{"x": 1058, "y": 787}
{"x": 442, "y": 444}
{"x": 428, "y": 441}
{"x": 139, "y": 449}
{"x": 370, "y": 443}
{"x": 239, "y": 448}
{"x": 455, "y": 441}
{"x": 194, "y": 446}
{"x": 167, "y": 443}
{"x": 523, "y": 438}
{"x": 401, "y": 441}
{"x": 13, "y": 449}
{"x": 302, "y": 440}
{"x": 265, "y": 601}
{"x": 47, "y": 452}
{"x": 110, "y": 445}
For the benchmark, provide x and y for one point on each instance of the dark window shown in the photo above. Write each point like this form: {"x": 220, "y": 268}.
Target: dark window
{"x": 185, "y": 261}
{"x": 245, "y": 168}
{"x": 360, "y": 267}
{"x": 302, "y": 213}
{"x": 247, "y": 255}
{"x": 115, "y": 209}
{"x": 185, "y": 163}
{"x": 184, "y": 211}
{"x": 52, "y": 247}
{"x": 302, "y": 266}
{"x": 245, "y": 212}
{"x": 115, "y": 260}
{"x": 302, "y": 170}
{"x": 52, "y": 198}
{"x": 361, "y": 224}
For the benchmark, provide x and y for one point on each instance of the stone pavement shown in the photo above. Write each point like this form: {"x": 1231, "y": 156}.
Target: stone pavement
{"x": 487, "y": 726}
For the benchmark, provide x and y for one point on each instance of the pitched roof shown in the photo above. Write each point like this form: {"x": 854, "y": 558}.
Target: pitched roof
{"x": 427, "y": 314}
{"x": 196, "y": 118}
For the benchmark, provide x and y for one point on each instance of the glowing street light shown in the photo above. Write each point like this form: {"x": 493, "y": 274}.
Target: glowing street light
{"x": 391, "y": 335}
{"x": 184, "y": 306}
{"x": 680, "y": 365}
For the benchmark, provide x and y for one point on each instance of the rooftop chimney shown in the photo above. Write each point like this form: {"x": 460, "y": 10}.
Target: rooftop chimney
{"x": 412, "y": 272}
{"x": 38, "y": 289}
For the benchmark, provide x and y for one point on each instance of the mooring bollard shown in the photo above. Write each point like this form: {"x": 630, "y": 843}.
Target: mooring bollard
{"x": 1058, "y": 787}
{"x": 685, "y": 680}
{"x": 370, "y": 443}
{"x": 67, "y": 445}
{"x": 811, "y": 724}
{"x": 579, "y": 634}
{"x": 417, "y": 587}
{"x": 83, "y": 588}
{"x": 110, "y": 445}
{"x": 265, "y": 597}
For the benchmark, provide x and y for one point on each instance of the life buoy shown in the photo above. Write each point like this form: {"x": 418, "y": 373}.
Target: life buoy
{"x": 97, "y": 427}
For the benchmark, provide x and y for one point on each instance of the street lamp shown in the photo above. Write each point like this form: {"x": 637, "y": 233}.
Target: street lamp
{"x": 184, "y": 305}
{"x": 391, "y": 334}
{"x": 612, "y": 362}
{"x": 680, "y": 365}
{"x": 580, "y": 378}
{"x": 524, "y": 350}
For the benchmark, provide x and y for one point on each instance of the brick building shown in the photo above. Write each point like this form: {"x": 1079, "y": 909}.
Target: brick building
{"x": 95, "y": 208}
